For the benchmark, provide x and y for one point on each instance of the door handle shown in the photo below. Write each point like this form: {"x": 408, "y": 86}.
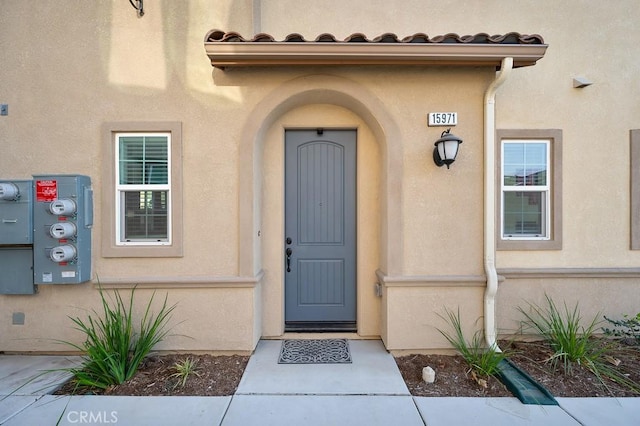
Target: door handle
{"x": 289, "y": 251}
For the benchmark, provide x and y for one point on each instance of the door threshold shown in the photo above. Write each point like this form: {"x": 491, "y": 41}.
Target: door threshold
{"x": 318, "y": 336}
{"x": 320, "y": 327}
{"x": 302, "y": 335}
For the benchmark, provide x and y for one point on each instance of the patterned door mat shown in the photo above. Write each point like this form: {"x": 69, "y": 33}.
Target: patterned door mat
{"x": 322, "y": 351}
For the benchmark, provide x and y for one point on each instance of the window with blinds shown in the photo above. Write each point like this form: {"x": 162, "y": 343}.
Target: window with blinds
{"x": 525, "y": 189}
{"x": 143, "y": 188}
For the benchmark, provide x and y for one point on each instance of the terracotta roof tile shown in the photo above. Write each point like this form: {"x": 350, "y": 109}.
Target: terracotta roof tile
{"x": 218, "y": 36}
{"x": 326, "y": 38}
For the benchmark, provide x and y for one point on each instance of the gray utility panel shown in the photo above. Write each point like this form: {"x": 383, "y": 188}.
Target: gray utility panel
{"x": 62, "y": 219}
{"x": 16, "y": 270}
{"x": 16, "y": 237}
{"x": 16, "y": 217}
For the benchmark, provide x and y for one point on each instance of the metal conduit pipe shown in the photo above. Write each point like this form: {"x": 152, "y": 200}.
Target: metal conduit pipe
{"x": 490, "y": 328}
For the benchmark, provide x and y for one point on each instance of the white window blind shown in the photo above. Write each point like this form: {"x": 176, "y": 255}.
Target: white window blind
{"x": 525, "y": 184}
{"x": 143, "y": 188}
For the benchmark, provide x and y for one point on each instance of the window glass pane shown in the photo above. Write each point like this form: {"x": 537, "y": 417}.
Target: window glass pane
{"x": 145, "y": 215}
{"x": 143, "y": 160}
{"x": 156, "y": 160}
{"x": 525, "y": 164}
{"x": 513, "y": 158}
{"x": 524, "y": 213}
{"x": 131, "y": 159}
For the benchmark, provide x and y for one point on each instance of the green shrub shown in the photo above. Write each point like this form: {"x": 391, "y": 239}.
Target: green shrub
{"x": 573, "y": 343}
{"x": 480, "y": 359}
{"x": 113, "y": 346}
{"x": 626, "y": 328}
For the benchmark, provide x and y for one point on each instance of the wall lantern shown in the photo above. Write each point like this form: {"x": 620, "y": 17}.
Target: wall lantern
{"x": 446, "y": 149}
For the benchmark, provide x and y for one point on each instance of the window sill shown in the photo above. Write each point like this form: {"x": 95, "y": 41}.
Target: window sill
{"x": 528, "y": 245}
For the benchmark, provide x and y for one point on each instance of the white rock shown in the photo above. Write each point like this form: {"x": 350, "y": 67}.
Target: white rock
{"x": 428, "y": 375}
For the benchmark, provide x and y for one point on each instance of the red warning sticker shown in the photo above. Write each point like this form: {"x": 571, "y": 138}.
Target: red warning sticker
{"x": 46, "y": 190}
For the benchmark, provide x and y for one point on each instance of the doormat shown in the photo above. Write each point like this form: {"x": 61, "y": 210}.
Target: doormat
{"x": 322, "y": 351}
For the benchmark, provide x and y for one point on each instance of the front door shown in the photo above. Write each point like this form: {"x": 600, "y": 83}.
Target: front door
{"x": 320, "y": 230}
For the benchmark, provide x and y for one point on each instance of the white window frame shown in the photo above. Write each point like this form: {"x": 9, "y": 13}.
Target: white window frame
{"x": 545, "y": 190}
{"x": 174, "y": 247}
{"x": 120, "y": 189}
{"x": 634, "y": 136}
{"x": 554, "y": 180}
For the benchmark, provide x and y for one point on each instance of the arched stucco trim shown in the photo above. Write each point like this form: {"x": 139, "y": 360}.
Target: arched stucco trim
{"x": 320, "y": 89}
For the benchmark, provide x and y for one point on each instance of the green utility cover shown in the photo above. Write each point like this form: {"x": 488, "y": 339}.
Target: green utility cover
{"x": 523, "y": 386}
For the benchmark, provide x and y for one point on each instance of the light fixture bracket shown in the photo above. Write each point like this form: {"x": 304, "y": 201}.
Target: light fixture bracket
{"x": 138, "y": 6}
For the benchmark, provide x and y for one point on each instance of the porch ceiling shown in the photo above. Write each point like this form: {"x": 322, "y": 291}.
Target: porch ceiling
{"x": 232, "y": 50}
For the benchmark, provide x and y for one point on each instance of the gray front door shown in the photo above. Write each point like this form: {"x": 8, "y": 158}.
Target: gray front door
{"x": 320, "y": 229}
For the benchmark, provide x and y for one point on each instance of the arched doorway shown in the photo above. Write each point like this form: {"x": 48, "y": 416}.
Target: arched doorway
{"x": 329, "y": 102}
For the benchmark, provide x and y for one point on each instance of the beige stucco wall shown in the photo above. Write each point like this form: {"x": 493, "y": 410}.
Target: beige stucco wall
{"x": 416, "y": 314}
{"x": 593, "y": 295}
{"x": 210, "y": 319}
{"x": 68, "y": 69}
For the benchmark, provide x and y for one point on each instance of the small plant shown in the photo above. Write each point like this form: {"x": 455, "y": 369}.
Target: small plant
{"x": 113, "y": 346}
{"x": 184, "y": 369}
{"x": 482, "y": 360}
{"x": 626, "y": 328}
{"x": 573, "y": 343}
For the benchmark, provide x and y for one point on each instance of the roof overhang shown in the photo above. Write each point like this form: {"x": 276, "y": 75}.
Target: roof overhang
{"x": 225, "y": 54}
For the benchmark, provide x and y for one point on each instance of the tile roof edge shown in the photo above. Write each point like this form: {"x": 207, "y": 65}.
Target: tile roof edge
{"x": 219, "y": 36}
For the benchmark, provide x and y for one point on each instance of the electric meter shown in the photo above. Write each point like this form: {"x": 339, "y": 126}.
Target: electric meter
{"x": 63, "y": 230}
{"x": 63, "y": 253}
{"x": 63, "y": 207}
{"x": 9, "y": 191}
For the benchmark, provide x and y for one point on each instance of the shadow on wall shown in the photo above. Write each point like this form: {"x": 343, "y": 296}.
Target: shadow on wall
{"x": 150, "y": 53}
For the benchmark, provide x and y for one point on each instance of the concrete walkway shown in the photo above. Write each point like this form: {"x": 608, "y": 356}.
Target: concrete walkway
{"x": 370, "y": 391}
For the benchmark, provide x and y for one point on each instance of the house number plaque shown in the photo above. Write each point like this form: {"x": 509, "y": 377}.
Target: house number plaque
{"x": 443, "y": 118}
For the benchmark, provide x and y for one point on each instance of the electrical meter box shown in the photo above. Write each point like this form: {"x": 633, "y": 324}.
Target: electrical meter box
{"x": 16, "y": 212}
{"x": 62, "y": 221}
{"x": 16, "y": 237}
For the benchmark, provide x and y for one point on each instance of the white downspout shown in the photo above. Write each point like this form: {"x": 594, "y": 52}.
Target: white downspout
{"x": 490, "y": 329}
